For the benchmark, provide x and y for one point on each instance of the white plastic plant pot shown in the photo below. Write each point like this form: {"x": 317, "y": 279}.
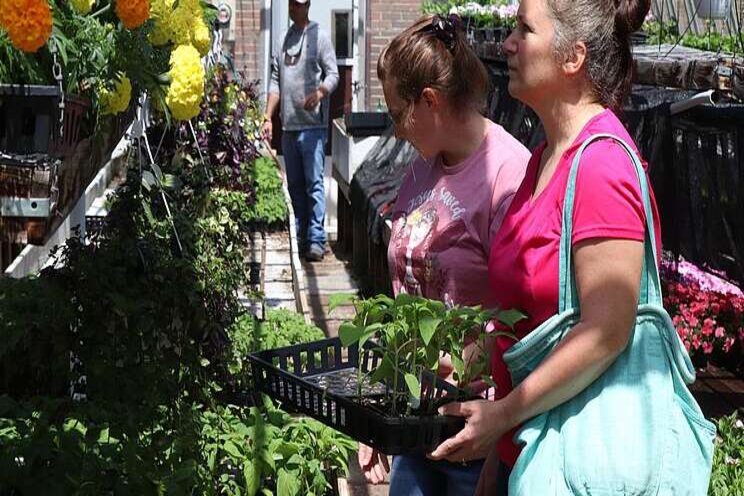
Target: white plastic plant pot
{"x": 713, "y": 9}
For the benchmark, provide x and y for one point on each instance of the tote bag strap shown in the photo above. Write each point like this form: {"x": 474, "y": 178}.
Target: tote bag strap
{"x": 650, "y": 282}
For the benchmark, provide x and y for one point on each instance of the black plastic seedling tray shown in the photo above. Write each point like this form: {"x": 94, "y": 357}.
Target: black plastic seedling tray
{"x": 319, "y": 380}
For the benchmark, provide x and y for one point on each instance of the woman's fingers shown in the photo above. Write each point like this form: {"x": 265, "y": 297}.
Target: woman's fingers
{"x": 374, "y": 464}
{"x": 451, "y": 445}
{"x": 364, "y": 455}
{"x": 456, "y": 409}
{"x": 385, "y": 462}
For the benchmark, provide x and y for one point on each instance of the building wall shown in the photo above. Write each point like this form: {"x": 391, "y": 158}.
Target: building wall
{"x": 385, "y": 19}
{"x": 248, "y": 26}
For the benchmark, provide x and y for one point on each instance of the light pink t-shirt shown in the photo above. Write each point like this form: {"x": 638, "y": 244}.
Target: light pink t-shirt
{"x": 524, "y": 254}
{"x": 445, "y": 217}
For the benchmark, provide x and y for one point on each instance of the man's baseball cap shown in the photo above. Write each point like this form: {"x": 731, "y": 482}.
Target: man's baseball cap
{"x": 301, "y": 1}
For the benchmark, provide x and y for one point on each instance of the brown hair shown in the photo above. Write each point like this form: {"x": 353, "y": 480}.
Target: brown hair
{"x": 605, "y": 27}
{"x": 420, "y": 57}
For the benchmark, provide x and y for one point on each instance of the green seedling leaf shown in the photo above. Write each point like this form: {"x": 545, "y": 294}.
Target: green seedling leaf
{"x": 349, "y": 333}
{"x": 385, "y": 370}
{"x": 337, "y": 300}
{"x": 287, "y": 483}
{"x": 458, "y": 364}
{"x": 510, "y": 317}
{"x": 427, "y": 327}
{"x": 404, "y": 299}
{"x": 252, "y": 477}
{"x": 413, "y": 386}
{"x": 369, "y": 332}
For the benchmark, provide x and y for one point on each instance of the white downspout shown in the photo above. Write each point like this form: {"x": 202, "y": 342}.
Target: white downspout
{"x": 710, "y": 96}
{"x": 267, "y": 22}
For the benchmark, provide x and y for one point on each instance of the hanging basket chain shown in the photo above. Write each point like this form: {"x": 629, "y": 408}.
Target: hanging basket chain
{"x": 57, "y": 73}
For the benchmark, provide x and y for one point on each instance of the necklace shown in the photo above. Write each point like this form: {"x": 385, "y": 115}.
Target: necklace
{"x": 292, "y": 58}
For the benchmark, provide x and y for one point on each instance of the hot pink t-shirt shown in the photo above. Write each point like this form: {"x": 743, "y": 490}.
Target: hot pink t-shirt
{"x": 445, "y": 218}
{"x": 523, "y": 265}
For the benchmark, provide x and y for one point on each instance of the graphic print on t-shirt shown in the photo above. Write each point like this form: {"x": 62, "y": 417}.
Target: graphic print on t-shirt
{"x": 432, "y": 225}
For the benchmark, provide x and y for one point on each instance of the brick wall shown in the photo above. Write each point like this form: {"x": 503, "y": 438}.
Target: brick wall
{"x": 386, "y": 18}
{"x": 247, "y": 25}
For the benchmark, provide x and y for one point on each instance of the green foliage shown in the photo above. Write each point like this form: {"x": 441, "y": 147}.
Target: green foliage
{"x": 282, "y": 455}
{"x": 280, "y": 328}
{"x": 667, "y": 32}
{"x": 284, "y": 328}
{"x": 19, "y": 67}
{"x": 147, "y": 311}
{"x": 727, "y": 478}
{"x": 411, "y": 333}
{"x": 270, "y": 208}
{"x": 60, "y": 447}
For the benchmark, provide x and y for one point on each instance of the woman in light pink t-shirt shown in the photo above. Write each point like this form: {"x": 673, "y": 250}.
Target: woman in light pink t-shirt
{"x": 449, "y": 207}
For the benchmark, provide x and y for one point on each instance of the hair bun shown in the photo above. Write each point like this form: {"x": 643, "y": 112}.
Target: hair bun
{"x": 630, "y": 14}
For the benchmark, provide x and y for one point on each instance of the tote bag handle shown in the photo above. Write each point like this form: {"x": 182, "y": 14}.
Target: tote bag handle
{"x": 650, "y": 281}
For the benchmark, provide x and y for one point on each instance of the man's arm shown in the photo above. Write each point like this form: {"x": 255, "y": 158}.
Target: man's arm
{"x": 329, "y": 64}
{"x": 327, "y": 60}
{"x": 272, "y": 100}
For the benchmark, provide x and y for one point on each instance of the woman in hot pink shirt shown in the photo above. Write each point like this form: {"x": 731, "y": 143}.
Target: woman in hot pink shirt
{"x": 570, "y": 61}
{"x": 449, "y": 207}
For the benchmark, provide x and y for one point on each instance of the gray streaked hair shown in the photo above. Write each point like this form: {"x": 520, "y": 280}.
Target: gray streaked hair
{"x": 604, "y": 26}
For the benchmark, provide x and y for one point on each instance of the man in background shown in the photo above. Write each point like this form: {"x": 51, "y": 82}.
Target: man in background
{"x": 303, "y": 74}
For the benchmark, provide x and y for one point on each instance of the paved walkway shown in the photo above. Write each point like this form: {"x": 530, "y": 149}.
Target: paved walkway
{"x": 322, "y": 279}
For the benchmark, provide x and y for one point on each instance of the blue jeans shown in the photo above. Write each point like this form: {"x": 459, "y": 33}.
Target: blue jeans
{"x": 419, "y": 476}
{"x": 304, "y": 157}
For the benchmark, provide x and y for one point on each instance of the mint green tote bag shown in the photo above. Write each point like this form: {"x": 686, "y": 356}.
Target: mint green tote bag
{"x": 636, "y": 430}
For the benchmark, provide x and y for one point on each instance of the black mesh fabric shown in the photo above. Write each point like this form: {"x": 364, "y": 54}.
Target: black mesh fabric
{"x": 696, "y": 166}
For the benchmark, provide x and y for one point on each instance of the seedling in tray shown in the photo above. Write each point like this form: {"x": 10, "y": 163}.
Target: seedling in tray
{"x": 379, "y": 380}
{"x": 412, "y": 334}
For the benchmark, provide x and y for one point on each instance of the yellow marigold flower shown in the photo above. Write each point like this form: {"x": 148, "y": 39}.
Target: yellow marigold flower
{"x": 133, "y": 13}
{"x": 187, "y": 83}
{"x": 182, "y": 20}
{"x": 116, "y": 100}
{"x": 82, "y": 6}
{"x": 161, "y": 12}
{"x": 28, "y": 23}
{"x": 201, "y": 36}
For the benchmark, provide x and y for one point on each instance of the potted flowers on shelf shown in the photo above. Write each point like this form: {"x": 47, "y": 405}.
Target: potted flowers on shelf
{"x": 707, "y": 311}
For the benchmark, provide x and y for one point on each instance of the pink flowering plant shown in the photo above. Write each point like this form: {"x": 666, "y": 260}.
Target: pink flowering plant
{"x": 707, "y": 311}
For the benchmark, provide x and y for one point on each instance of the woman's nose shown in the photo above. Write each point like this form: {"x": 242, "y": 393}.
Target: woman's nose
{"x": 510, "y": 44}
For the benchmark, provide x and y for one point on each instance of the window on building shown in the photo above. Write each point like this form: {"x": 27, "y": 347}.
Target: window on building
{"x": 341, "y": 33}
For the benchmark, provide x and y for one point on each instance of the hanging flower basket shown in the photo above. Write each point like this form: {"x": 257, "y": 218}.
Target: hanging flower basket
{"x": 30, "y": 120}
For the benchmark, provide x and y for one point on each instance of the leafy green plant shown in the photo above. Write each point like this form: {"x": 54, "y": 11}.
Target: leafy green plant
{"x": 55, "y": 446}
{"x": 270, "y": 208}
{"x": 264, "y": 450}
{"x": 667, "y": 32}
{"x": 280, "y": 328}
{"x": 411, "y": 333}
{"x": 727, "y": 477}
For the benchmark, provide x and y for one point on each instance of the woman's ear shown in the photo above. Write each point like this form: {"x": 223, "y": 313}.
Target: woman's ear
{"x": 432, "y": 98}
{"x": 575, "y": 59}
